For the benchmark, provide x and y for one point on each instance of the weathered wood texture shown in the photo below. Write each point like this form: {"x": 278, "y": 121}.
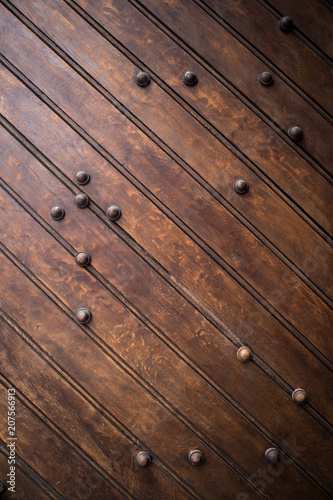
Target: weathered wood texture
{"x": 190, "y": 272}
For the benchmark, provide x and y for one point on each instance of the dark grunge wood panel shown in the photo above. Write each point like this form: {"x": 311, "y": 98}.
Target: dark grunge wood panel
{"x": 191, "y": 272}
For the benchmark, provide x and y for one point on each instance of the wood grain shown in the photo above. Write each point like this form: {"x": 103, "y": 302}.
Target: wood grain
{"x": 319, "y": 30}
{"x": 189, "y": 273}
{"x": 48, "y": 454}
{"x": 94, "y": 433}
{"x": 194, "y": 25}
{"x": 26, "y": 486}
{"x": 266, "y": 280}
{"x": 249, "y": 322}
{"x": 233, "y": 118}
{"x": 165, "y": 378}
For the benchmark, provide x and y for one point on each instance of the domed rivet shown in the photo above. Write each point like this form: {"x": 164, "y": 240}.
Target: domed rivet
{"x": 266, "y": 78}
{"x": 57, "y": 213}
{"x": 113, "y": 212}
{"x": 81, "y": 200}
{"x": 244, "y": 354}
{"x": 295, "y": 133}
{"x": 189, "y": 78}
{"x": 196, "y": 458}
{"x": 272, "y": 456}
{"x": 82, "y": 259}
{"x": 241, "y": 186}
{"x": 143, "y": 459}
{"x": 299, "y": 396}
{"x": 82, "y": 177}
{"x": 142, "y": 79}
{"x": 286, "y": 24}
{"x": 83, "y": 316}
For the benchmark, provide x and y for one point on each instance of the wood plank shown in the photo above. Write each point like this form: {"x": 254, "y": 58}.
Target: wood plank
{"x": 102, "y": 377}
{"x": 83, "y": 423}
{"x": 250, "y": 323}
{"x": 319, "y": 29}
{"x": 238, "y": 64}
{"x": 198, "y": 147}
{"x": 210, "y": 98}
{"x": 170, "y": 376}
{"x": 165, "y": 379}
{"x": 25, "y": 486}
{"x": 52, "y": 459}
{"x": 241, "y": 250}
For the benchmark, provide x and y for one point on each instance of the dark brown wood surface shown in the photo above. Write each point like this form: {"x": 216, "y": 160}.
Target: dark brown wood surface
{"x": 190, "y": 272}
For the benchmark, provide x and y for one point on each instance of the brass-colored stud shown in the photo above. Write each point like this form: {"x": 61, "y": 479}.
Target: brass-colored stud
{"x": 196, "y": 458}
{"x": 241, "y": 186}
{"x": 295, "y": 133}
{"x": 299, "y": 396}
{"x": 189, "y": 78}
{"x": 82, "y": 177}
{"x": 244, "y": 354}
{"x": 83, "y": 315}
{"x": 81, "y": 200}
{"x": 142, "y": 79}
{"x": 113, "y": 212}
{"x": 266, "y": 78}
{"x": 143, "y": 459}
{"x": 286, "y": 24}
{"x": 82, "y": 259}
{"x": 272, "y": 456}
{"x": 57, "y": 213}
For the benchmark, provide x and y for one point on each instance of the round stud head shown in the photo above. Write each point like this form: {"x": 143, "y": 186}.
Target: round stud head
{"x": 299, "y": 396}
{"x": 196, "y": 458}
{"x": 142, "y": 79}
{"x": 81, "y": 200}
{"x": 113, "y": 212}
{"x": 189, "y": 78}
{"x": 82, "y": 177}
{"x": 295, "y": 133}
{"x": 244, "y": 354}
{"x": 83, "y": 316}
{"x": 82, "y": 259}
{"x": 266, "y": 78}
{"x": 272, "y": 456}
{"x": 286, "y": 24}
{"x": 241, "y": 186}
{"x": 57, "y": 213}
{"x": 143, "y": 459}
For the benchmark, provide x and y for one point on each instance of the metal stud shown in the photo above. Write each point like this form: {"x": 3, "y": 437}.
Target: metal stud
{"x": 83, "y": 316}
{"x": 241, "y": 186}
{"x": 189, "y": 78}
{"x": 196, "y": 458}
{"x": 299, "y": 396}
{"x": 295, "y": 133}
{"x": 82, "y": 259}
{"x": 57, "y": 213}
{"x": 82, "y": 177}
{"x": 2, "y": 486}
{"x": 286, "y": 24}
{"x": 244, "y": 354}
{"x": 113, "y": 212}
{"x": 143, "y": 459}
{"x": 266, "y": 78}
{"x": 142, "y": 79}
{"x": 272, "y": 456}
{"x": 81, "y": 200}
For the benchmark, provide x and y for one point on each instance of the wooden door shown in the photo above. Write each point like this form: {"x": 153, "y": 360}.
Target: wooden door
{"x": 166, "y": 259}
